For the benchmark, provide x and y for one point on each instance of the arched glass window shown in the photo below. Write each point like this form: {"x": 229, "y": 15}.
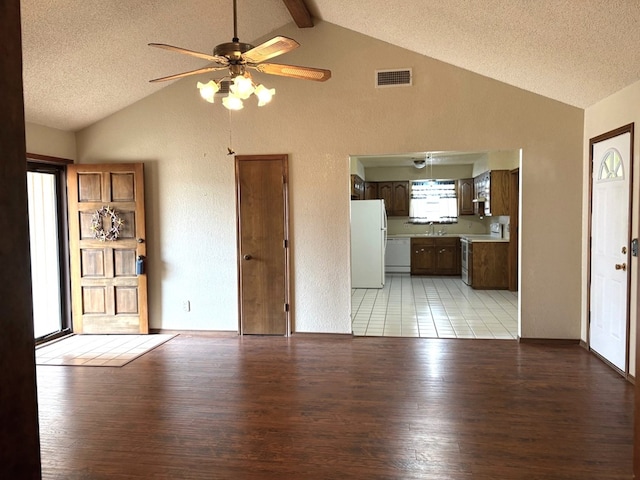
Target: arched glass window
{"x": 611, "y": 167}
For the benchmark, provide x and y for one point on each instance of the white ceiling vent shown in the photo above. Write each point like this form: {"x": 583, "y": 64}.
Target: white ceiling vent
{"x": 394, "y": 78}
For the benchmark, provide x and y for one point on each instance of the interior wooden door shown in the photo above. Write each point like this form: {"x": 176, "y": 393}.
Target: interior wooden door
{"x": 263, "y": 237}
{"x": 106, "y": 239}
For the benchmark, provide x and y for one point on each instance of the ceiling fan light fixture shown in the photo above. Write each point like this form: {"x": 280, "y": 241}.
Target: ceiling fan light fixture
{"x": 231, "y": 102}
{"x": 208, "y": 90}
{"x": 242, "y": 87}
{"x": 264, "y": 94}
{"x": 419, "y": 163}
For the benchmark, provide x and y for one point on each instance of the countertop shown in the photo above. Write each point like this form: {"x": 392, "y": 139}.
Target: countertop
{"x": 471, "y": 237}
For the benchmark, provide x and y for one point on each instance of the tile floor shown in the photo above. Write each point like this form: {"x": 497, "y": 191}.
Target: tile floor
{"x": 98, "y": 350}
{"x": 433, "y": 307}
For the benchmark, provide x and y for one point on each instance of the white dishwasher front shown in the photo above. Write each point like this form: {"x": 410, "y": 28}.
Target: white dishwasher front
{"x": 397, "y": 256}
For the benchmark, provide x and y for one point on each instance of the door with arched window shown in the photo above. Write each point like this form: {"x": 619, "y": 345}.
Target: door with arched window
{"x": 611, "y": 163}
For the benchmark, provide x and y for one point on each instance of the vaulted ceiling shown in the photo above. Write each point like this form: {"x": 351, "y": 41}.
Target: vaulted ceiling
{"x": 86, "y": 59}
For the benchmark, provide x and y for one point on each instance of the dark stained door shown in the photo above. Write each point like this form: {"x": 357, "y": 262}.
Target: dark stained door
{"x": 106, "y": 238}
{"x": 263, "y": 260}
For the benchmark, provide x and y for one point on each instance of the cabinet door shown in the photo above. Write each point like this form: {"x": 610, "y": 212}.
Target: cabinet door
{"x": 401, "y": 199}
{"x": 422, "y": 257}
{"x": 446, "y": 256}
{"x": 490, "y": 265}
{"x": 499, "y": 193}
{"x": 370, "y": 190}
{"x": 445, "y": 260}
{"x": 478, "y": 191}
{"x": 385, "y": 192}
{"x": 465, "y": 196}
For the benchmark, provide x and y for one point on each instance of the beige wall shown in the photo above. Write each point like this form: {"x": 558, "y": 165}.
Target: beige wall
{"x": 190, "y": 179}
{"x": 615, "y": 111}
{"x": 50, "y": 141}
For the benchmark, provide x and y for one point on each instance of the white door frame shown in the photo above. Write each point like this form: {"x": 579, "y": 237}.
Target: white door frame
{"x": 607, "y": 136}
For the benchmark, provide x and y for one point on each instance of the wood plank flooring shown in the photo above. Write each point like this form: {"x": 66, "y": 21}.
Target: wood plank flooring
{"x": 331, "y": 407}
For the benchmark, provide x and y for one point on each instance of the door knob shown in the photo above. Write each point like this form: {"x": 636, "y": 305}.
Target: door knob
{"x": 621, "y": 266}
{"x": 247, "y": 257}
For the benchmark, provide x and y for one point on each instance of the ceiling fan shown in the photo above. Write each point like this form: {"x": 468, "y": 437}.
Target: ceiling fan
{"x": 237, "y": 57}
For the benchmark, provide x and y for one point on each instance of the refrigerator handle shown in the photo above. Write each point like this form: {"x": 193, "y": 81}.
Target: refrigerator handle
{"x": 384, "y": 229}
{"x": 384, "y": 215}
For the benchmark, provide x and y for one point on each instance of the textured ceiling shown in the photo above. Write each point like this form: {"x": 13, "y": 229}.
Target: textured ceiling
{"x": 86, "y": 59}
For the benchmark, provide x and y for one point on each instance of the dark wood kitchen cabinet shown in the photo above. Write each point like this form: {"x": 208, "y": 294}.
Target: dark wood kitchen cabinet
{"x": 396, "y": 197}
{"x": 357, "y": 188}
{"x": 488, "y": 265}
{"x": 493, "y": 186}
{"x": 423, "y": 258}
{"x": 435, "y": 256}
{"x": 465, "y": 196}
{"x": 371, "y": 190}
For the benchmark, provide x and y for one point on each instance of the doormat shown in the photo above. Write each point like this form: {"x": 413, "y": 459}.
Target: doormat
{"x": 98, "y": 350}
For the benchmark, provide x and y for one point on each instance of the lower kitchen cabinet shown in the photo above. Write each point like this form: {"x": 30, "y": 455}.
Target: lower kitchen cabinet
{"x": 435, "y": 256}
{"x": 489, "y": 265}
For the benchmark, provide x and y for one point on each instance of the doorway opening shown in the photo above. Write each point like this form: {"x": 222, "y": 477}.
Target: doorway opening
{"x": 49, "y": 252}
{"x": 437, "y": 303}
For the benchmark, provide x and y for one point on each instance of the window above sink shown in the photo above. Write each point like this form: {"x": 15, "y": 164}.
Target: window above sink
{"x": 433, "y": 201}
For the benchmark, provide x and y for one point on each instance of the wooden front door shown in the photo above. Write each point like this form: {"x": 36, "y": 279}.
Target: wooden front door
{"x": 106, "y": 238}
{"x": 263, "y": 236}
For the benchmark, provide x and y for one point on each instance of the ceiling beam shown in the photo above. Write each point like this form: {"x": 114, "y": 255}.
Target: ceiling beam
{"x": 299, "y": 12}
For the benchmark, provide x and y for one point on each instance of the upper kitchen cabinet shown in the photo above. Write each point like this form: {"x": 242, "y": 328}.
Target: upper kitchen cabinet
{"x": 396, "y": 198}
{"x": 492, "y": 193}
{"x": 371, "y": 190}
{"x": 357, "y": 188}
{"x": 465, "y": 196}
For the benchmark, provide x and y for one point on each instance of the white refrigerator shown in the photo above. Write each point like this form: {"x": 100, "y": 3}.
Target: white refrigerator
{"x": 368, "y": 242}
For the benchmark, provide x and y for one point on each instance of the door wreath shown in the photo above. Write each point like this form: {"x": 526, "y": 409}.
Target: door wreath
{"x": 97, "y": 224}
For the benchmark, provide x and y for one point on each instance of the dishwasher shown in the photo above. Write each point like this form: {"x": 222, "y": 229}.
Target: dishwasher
{"x": 397, "y": 255}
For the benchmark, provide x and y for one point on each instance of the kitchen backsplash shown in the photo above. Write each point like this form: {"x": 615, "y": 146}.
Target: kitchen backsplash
{"x": 467, "y": 224}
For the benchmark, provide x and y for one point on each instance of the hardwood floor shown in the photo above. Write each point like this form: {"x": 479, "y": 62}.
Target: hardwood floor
{"x": 330, "y": 407}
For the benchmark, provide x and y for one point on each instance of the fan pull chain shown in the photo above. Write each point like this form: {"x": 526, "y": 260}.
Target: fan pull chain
{"x": 230, "y": 147}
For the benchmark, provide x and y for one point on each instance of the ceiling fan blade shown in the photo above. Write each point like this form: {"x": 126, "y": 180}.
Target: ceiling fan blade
{"x": 269, "y": 49}
{"x": 305, "y": 73}
{"x": 211, "y": 58}
{"x": 186, "y": 74}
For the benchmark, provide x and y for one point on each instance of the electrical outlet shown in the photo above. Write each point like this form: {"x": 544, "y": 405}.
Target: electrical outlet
{"x": 186, "y": 306}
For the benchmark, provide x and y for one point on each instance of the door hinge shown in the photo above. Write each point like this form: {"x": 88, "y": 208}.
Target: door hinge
{"x": 286, "y": 307}
{"x": 285, "y": 243}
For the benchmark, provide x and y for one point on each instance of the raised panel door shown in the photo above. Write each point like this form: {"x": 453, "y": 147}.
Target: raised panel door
{"x": 423, "y": 260}
{"x": 385, "y": 192}
{"x": 371, "y": 190}
{"x": 465, "y": 196}
{"x": 446, "y": 260}
{"x": 106, "y": 238}
{"x": 401, "y": 199}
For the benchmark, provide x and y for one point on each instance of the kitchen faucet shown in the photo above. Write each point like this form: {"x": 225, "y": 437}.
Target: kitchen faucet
{"x": 432, "y": 229}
